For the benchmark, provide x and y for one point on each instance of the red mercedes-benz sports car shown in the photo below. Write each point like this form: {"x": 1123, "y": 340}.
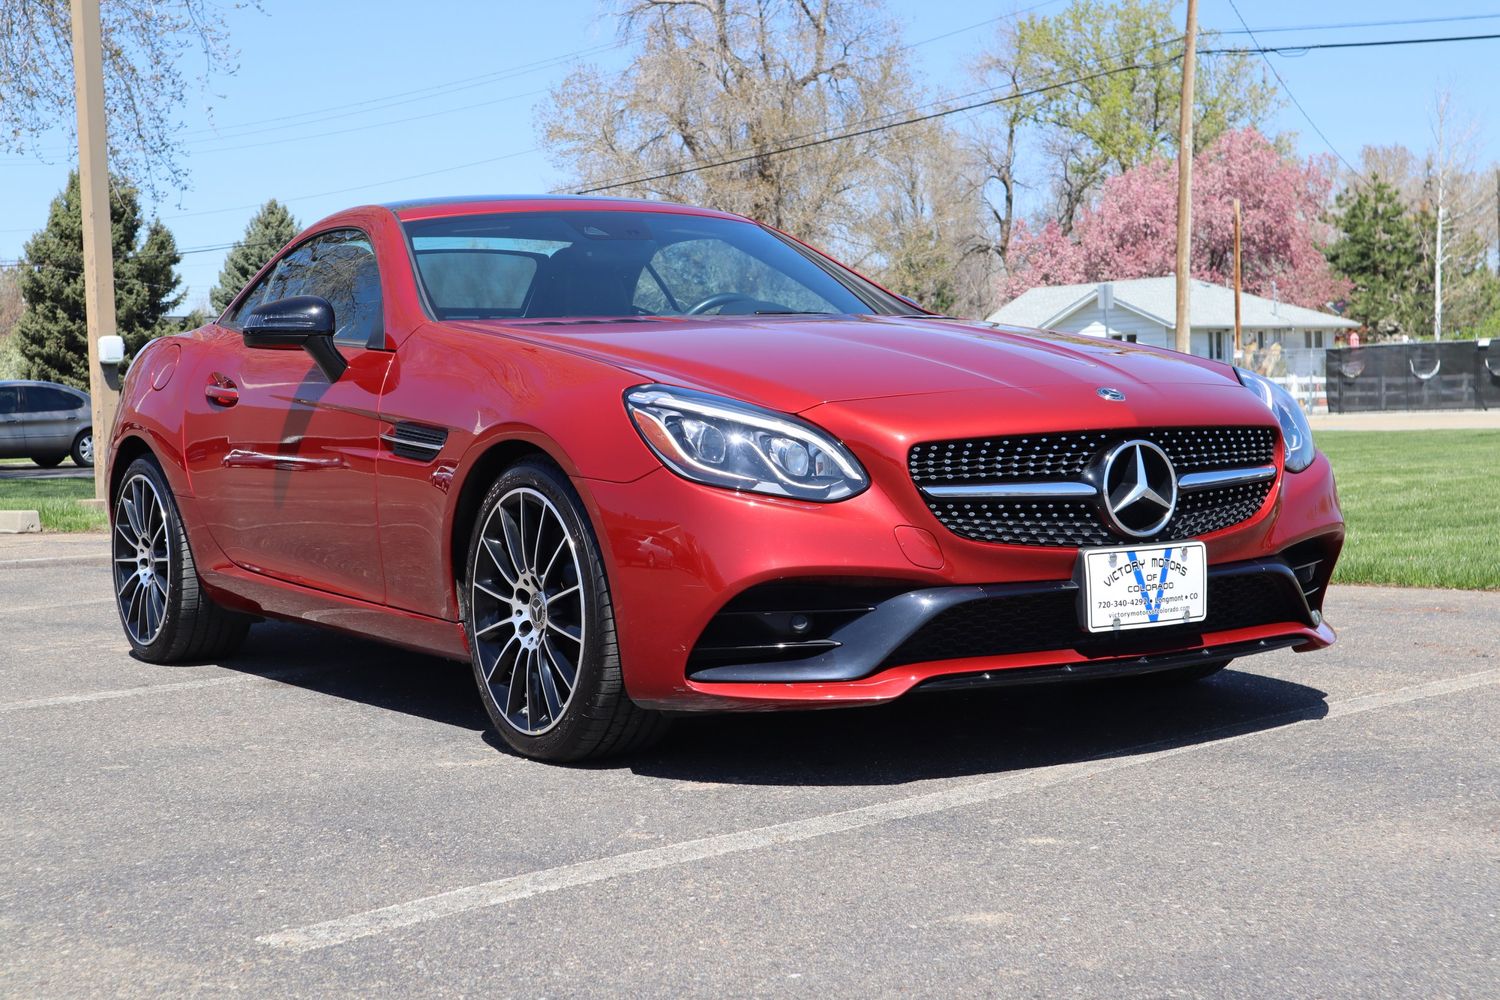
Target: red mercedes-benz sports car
{"x": 629, "y": 458}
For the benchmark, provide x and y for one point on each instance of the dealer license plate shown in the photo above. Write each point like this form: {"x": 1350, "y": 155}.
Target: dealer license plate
{"x": 1143, "y": 586}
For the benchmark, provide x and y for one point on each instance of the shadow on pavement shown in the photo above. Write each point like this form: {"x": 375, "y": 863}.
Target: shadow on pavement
{"x": 921, "y": 736}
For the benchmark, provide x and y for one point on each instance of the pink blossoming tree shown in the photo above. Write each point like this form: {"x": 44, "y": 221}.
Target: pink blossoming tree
{"x": 1130, "y": 230}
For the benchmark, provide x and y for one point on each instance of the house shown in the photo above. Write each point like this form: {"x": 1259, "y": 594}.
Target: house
{"x": 1144, "y": 310}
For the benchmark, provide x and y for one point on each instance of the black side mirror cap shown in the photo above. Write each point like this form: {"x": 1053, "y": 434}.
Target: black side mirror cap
{"x": 304, "y": 321}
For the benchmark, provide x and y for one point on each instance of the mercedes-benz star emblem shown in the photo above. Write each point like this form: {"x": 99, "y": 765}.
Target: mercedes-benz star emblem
{"x": 1113, "y": 395}
{"x": 1140, "y": 488}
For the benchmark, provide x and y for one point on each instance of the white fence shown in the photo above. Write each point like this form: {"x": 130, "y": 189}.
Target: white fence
{"x": 1299, "y": 371}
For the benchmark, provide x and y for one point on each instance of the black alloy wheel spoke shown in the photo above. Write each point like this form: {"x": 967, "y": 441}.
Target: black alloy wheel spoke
{"x": 142, "y": 562}
{"x": 526, "y": 591}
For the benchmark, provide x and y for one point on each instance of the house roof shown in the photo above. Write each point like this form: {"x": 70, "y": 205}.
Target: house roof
{"x": 1211, "y": 306}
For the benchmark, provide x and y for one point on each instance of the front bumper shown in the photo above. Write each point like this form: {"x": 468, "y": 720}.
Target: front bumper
{"x": 678, "y": 554}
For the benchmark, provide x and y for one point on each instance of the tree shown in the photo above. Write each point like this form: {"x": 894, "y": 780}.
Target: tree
{"x": 11, "y": 302}
{"x": 11, "y": 305}
{"x": 1416, "y": 186}
{"x": 1379, "y": 251}
{"x": 736, "y": 80}
{"x": 1129, "y": 230}
{"x": 918, "y": 230}
{"x": 1122, "y": 111}
{"x": 143, "y": 41}
{"x": 269, "y": 230}
{"x": 52, "y": 334}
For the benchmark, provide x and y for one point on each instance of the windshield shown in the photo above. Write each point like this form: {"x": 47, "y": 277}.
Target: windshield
{"x": 534, "y": 265}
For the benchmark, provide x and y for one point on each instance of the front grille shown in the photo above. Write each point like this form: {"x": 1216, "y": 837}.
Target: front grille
{"x": 1031, "y": 623}
{"x": 1038, "y": 458}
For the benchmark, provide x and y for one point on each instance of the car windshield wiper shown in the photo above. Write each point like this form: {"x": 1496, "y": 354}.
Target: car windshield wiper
{"x": 794, "y": 312}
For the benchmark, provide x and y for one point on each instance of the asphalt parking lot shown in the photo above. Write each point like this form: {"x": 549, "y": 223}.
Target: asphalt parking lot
{"x": 322, "y": 816}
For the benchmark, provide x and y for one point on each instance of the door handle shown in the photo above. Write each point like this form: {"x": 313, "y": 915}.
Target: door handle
{"x": 221, "y": 391}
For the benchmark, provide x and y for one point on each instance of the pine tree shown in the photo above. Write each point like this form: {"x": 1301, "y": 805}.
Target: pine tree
{"x": 1379, "y": 249}
{"x": 52, "y": 333}
{"x": 269, "y": 230}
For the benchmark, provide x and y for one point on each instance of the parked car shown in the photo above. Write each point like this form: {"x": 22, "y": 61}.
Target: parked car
{"x": 46, "y": 422}
{"x": 628, "y": 458}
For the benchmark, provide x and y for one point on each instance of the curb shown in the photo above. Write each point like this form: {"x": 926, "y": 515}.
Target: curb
{"x": 20, "y": 522}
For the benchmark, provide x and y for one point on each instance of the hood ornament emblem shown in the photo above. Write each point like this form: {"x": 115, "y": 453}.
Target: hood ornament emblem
{"x": 1140, "y": 488}
{"x": 1113, "y": 395}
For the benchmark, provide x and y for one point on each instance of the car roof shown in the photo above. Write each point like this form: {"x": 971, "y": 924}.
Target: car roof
{"x": 430, "y": 208}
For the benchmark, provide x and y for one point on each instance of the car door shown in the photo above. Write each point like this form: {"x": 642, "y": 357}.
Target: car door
{"x": 12, "y": 431}
{"x": 50, "y": 416}
{"x": 283, "y": 462}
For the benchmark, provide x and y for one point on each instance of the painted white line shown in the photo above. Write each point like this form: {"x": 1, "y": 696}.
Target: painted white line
{"x": 55, "y": 607}
{"x": 206, "y": 682}
{"x": 418, "y": 911}
{"x": 101, "y": 558}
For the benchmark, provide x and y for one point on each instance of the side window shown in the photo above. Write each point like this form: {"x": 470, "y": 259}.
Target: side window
{"x": 287, "y": 273}
{"x": 343, "y": 271}
{"x": 10, "y": 399}
{"x": 338, "y": 266}
{"x": 45, "y": 399}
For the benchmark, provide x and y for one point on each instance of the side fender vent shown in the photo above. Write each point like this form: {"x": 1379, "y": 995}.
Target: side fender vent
{"x": 417, "y": 442}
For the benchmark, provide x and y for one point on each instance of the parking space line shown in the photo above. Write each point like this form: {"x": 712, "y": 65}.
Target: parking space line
{"x": 77, "y": 699}
{"x": 101, "y": 558}
{"x": 55, "y": 607}
{"x": 418, "y": 911}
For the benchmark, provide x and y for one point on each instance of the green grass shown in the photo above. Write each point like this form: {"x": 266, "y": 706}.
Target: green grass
{"x": 1422, "y": 508}
{"x": 56, "y": 500}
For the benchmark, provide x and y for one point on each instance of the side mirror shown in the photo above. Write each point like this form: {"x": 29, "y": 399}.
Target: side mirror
{"x": 304, "y": 321}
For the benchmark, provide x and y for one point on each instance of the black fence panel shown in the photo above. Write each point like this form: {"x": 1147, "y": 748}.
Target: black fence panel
{"x": 1450, "y": 375}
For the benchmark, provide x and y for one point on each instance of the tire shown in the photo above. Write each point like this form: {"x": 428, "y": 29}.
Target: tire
{"x": 167, "y": 615}
{"x": 48, "y": 461}
{"x": 83, "y": 449}
{"x": 1180, "y": 675}
{"x": 531, "y": 616}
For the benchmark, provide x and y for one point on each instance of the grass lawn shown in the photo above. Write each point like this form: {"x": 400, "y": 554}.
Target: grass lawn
{"x": 56, "y": 500}
{"x": 1422, "y": 508}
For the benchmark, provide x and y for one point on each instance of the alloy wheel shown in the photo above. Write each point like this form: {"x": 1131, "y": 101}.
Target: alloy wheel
{"x": 528, "y": 610}
{"x": 86, "y": 449}
{"x": 143, "y": 571}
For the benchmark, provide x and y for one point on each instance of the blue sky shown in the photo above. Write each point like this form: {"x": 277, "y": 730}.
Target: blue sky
{"x": 297, "y": 58}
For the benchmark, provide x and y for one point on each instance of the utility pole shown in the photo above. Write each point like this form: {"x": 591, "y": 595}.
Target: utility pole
{"x": 1185, "y": 182}
{"x": 1437, "y": 271}
{"x": 1236, "y": 281}
{"x": 93, "y": 183}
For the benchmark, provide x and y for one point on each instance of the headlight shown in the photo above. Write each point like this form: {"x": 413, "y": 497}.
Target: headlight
{"x": 723, "y": 442}
{"x": 1295, "y": 430}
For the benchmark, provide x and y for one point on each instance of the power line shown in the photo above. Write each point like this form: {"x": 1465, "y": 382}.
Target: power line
{"x": 1359, "y": 24}
{"x": 403, "y": 97}
{"x": 1293, "y": 97}
{"x": 1372, "y": 44}
{"x": 856, "y": 133}
{"x": 380, "y": 124}
{"x": 818, "y": 133}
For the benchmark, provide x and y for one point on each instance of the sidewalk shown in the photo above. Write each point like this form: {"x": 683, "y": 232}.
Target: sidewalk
{"x": 1407, "y": 420}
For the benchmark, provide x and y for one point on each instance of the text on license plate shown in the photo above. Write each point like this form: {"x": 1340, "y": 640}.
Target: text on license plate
{"x": 1136, "y": 586}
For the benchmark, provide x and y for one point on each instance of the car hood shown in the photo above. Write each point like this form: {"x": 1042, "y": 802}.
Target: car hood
{"x": 792, "y": 363}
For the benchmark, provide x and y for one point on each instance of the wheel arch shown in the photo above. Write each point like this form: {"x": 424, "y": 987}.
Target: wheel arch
{"x": 127, "y": 450}
{"x": 496, "y": 457}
